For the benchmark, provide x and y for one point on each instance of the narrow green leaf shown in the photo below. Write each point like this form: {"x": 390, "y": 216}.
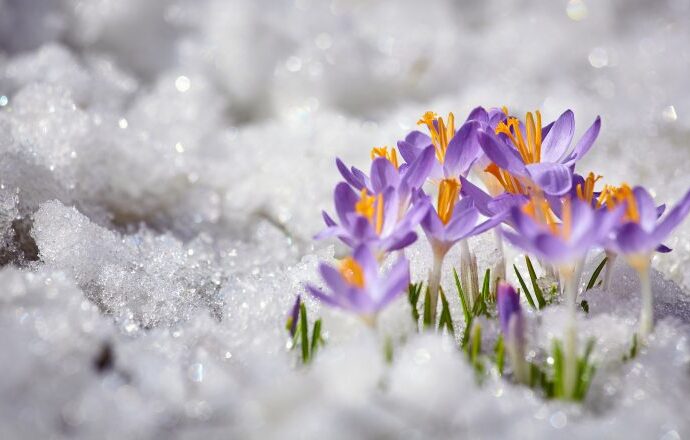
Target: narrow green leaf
{"x": 558, "y": 379}
{"x": 463, "y": 300}
{"x": 499, "y": 350}
{"x": 446, "y": 319}
{"x": 533, "y": 276}
{"x": 524, "y": 288}
{"x": 476, "y": 344}
{"x": 388, "y": 350}
{"x": 485, "y": 286}
{"x": 304, "y": 330}
{"x": 596, "y": 273}
{"x": 315, "y": 336}
{"x": 427, "y": 309}
{"x": 413, "y": 291}
{"x": 584, "y": 305}
{"x": 465, "y": 340}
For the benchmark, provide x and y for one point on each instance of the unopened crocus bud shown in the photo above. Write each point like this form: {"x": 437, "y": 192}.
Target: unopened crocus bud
{"x": 513, "y": 328}
{"x": 293, "y": 316}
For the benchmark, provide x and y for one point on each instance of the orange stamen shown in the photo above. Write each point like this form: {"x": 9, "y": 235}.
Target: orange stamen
{"x": 352, "y": 272}
{"x": 441, "y": 132}
{"x": 448, "y": 192}
{"x": 391, "y": 155}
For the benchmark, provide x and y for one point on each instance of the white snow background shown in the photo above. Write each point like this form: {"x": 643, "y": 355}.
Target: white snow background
{"x": 163, "y": 165}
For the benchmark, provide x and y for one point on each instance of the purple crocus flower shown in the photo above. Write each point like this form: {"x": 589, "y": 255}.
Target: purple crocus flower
{"x": 538, "y": 231}
{"x": 357, "y": 286}
{"x": 293, "y": 317}
{"x": 455, "y": 151}
{"x": 640, "y": 234}
{"x": 513, "y": 329}
{"x": 642, "y": 231}
{"x": 526, "y": 154}
{"x": 375, "y": 219}
{"x": 508, "y": 305}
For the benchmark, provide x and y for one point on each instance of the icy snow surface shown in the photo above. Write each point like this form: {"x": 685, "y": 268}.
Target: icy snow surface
{"x": 163, "y": 164}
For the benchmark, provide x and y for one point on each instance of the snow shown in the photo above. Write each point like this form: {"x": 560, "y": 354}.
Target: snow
{"x": 163, "y": 165}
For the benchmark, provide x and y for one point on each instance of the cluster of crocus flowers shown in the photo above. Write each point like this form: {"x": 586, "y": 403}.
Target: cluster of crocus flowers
{"x": 530, "y": 189}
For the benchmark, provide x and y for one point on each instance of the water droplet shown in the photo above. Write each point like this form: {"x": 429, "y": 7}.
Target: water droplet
{"x": 4, "y": 100}
{"x": 576, "y": 10}
{"x": 182, "y": 84}
{"x": 598, "y": 57}
{"x": 196, "y": 372}
{"x": 669, "y": 114}
{"x": 293, "y": 64}
{"x": 179, "y": 147}
{"x": 122, "y": 123}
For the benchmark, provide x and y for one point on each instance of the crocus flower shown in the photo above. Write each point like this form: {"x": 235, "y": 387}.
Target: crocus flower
{"x": 449, "y": 222}
{"x": 455, "y": 151}
{"x": 528, "y": 157}
{"x": 513, "y": 329}
{"x": 373, "y": 219}
{"x": 640, "y": 234}
{"x": 293, "y": 317}
{"x": 357, "y": 286}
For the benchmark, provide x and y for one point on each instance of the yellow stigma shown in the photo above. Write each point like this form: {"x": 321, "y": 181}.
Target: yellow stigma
{"x": 352, "y": 272}
{"x": 529, "y": 144}
{"x": 585, "y": 191}
{"x": 509, "y": 182}
{"x": 391, "y": 155}
{"x": 448, "y": 192}
{"x": 613, "y": 196}
{"x": 441, "y": 132}
{"x": 371, "y": 207}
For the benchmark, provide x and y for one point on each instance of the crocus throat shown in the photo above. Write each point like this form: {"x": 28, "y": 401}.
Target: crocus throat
{"x": 448, "y": 192}
{"x": 352, "y": 272}
{"x": 440, "y": 131}
{"x": 614, "y": 196}
{"x": 529, "y": 148}
{"x": 391, "y": 155}
{"x": 371, "y": 207}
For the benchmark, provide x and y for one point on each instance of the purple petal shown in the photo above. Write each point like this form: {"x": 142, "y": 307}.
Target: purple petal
{"x": 321, "y": 296}
{"x": 518, "y": 240}
{"x": 333, "y": 279}
{"x": 462, "y": 151}
{"x": 632, "y": 239}
{"x": 646, "y": 208}
{"x": 418, "y": 139}
{"x": 461, "y": 225}
{"x": 383, "y": 175}
{"x": 523, "y": 223}
{"x": 348, "y": 176}
{"x": 480, "y": 199}
{"x": 327, "y": 219}
{"x": 480, "y": 115}
{"x": 344, "y": 199}
{"x": 582, "y": 220}
{"x": 663, "y": 249}
{"x": 558, "y": 139}
{"x": 585, "y": 142}
{"x": 673, "y": 219}
{"x": 419, "y": 169}
{"x": 660, "y": 210}
{"x": 364, "y": 256}
{"x": 552, "y": 248}
{"x": 397, "y": 242}
{"x": 501, "y": 154}
{"x": 553, "y": 178}
{"x": 507, "y": 304}
{"x": 432, "y": 225}
{"x": 397, "y": 280}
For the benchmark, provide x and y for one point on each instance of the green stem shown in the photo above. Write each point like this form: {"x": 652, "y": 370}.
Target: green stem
{"x": 434, "y": 283}
{"x": 570, "y": 334}
{"x": 647, "y": 306}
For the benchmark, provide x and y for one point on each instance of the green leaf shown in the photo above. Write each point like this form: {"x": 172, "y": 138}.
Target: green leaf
{"x": 533, "y": 276}
{"x": 388, "y": 350}
{"x": 485, "y": 286}
{"x": 413, "y": 292}
{"x": 476, "y": 347}
{"x": 558, "y": 379}
{"x": 446, "y": 319}
{"x": 499, "y": 350}
{"x": 304, "y": 331}
{"x": 524, "y": 288}
{"x": 465, "y": 339}
{"x": 315, "y": 337}
{"x": 463, "y": 300}
{"x": 596, "y": 273}
{"x": 585, "y": 305}
{"x": 427, "y": 308}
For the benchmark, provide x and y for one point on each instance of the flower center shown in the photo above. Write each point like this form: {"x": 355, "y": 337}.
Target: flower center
{"x": 371, "y": 207}
{"x": 448, "y": 191}
{"x": 440, "y": 131}
{"x": 391, "y": 155}
{"x": 538, "y": 208}
{"x": 585, "y": 191}
{"x": 352, "y": 272}
{"x": 509, "y": 182}
{"x": 527, "y": 144}
{"x": 613, "y": 196}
